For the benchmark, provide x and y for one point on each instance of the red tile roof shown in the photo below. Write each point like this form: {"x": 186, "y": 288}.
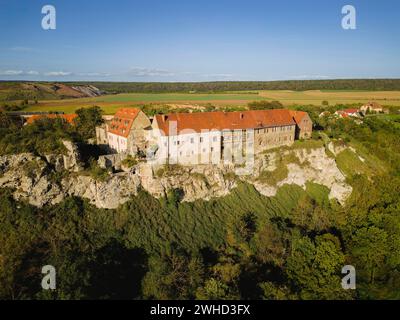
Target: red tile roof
{"x": 297, "y": 115}
{"x": 122, "y": 122}
{"x": 67, "y": 117}
{"x": 219, "y": 120}
{"x": 350, "y": 110}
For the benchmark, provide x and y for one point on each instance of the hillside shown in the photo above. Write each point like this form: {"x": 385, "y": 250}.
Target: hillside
{"x": 11, "y": 91}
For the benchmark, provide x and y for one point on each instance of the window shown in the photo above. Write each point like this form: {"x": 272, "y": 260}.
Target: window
{"x": 201, "y": 139}
{"x": 191, "y": 140}
{"x": 215, "y": 139}
{"x": 212, "y": 149}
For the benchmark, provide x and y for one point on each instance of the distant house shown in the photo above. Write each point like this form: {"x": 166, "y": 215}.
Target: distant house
{"x": 324, "y": 114}
{"x": 372, "y": 107}
{"x": 66, "y": 117}
{"x": 348, "y": 113}
{"x": 303, "y": 124}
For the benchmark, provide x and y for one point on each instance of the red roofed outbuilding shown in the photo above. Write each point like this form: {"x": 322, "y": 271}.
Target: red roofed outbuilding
{"x": 66, "y": 117}
{"x": 126, "y": 130}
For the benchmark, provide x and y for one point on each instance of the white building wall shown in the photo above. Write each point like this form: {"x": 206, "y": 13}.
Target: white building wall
{"x": 212, "y": 147}
{"x": 189, "y": 149}
{"x": 117, "y": 143}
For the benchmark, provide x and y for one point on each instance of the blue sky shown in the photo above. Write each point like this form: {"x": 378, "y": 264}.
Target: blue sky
{"x": 168, "y": 40}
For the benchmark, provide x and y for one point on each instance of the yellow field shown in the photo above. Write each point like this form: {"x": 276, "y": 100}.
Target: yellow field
{"x": 315, "y": 97}
{"x": 110, "y": 103}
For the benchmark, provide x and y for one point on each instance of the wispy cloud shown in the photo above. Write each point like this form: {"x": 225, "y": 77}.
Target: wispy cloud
{"x": 309, "y": 77}
{"x": 93, "y": 74}
{"x": 147, "y": 72}
{"x": 57, "y": 74}
{"x": 12, "y": 73}
{"x": 21, "y": 49}
{"x": 32, "y": 73}
{"x": 218, "y": 75}
{"x": 132, "y": 73}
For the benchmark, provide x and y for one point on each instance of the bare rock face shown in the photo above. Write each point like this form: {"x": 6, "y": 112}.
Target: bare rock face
{"x": 33, "y": 179}
{"x": 56, "y": 160}
{"x": 27, "y": 174}
{"x": 200, "y": 182}
{"x": 315, "y": 166}
{"x": 88, "y": 90}
{"x": 72, "y": 161}
{"x": 107, "y": 194}
{"x": 30, "y": 177}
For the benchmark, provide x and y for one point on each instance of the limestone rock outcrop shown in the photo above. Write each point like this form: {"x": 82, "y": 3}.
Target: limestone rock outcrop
{"x": 43, "y": 181}
{"x": 72, "y": 161}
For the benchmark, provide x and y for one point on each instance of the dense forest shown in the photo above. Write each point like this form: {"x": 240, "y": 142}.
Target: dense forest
{"x": 223, "y": 86}
{"x": 242, "y": 246}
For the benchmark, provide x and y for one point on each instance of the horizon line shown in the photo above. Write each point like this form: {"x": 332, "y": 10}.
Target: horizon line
{"x": 216, "y": 81}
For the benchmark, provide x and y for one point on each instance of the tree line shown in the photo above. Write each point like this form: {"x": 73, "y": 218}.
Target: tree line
{"x": 223, "y": 86}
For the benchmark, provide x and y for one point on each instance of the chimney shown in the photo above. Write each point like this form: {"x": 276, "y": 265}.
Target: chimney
{"x": 164, "y": 117}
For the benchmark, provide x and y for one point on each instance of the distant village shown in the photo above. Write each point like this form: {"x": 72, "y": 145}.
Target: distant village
{"x": 369, "y": 108}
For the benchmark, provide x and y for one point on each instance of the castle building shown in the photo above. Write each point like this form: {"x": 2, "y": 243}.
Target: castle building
{"x": 206, "y": 137}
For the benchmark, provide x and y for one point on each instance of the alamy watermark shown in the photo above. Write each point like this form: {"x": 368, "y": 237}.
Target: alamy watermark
{"x": 49, "y": 20}
{"x": 349, "y": 280}
{"x": 49, "y": 280}
{"x": 349, "y": 21}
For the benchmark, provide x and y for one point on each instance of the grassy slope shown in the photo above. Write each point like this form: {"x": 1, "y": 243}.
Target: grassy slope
{"x": 153, "y": 223}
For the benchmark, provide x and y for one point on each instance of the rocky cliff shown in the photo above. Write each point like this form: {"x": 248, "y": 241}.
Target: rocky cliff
{"x": 48, "y": 180}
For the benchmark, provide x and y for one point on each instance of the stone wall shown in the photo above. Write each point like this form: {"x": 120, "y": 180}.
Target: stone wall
{"x": 269, "y": 138}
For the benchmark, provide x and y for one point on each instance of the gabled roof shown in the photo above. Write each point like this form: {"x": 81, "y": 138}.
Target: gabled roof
{"x": 350, "y": 111}
{"x": 67, "y": 117}
{"x": 122, "y": 122}
{"x": 297, "y": 115}
{"x": 219, "y": 120}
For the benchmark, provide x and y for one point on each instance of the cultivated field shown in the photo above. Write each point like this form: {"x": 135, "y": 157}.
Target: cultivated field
{"x": 110, "y": 103}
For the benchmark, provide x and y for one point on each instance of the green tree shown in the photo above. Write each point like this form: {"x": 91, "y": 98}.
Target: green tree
{"x": 369, "y": 248}
{"x": 87, "y": 121}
